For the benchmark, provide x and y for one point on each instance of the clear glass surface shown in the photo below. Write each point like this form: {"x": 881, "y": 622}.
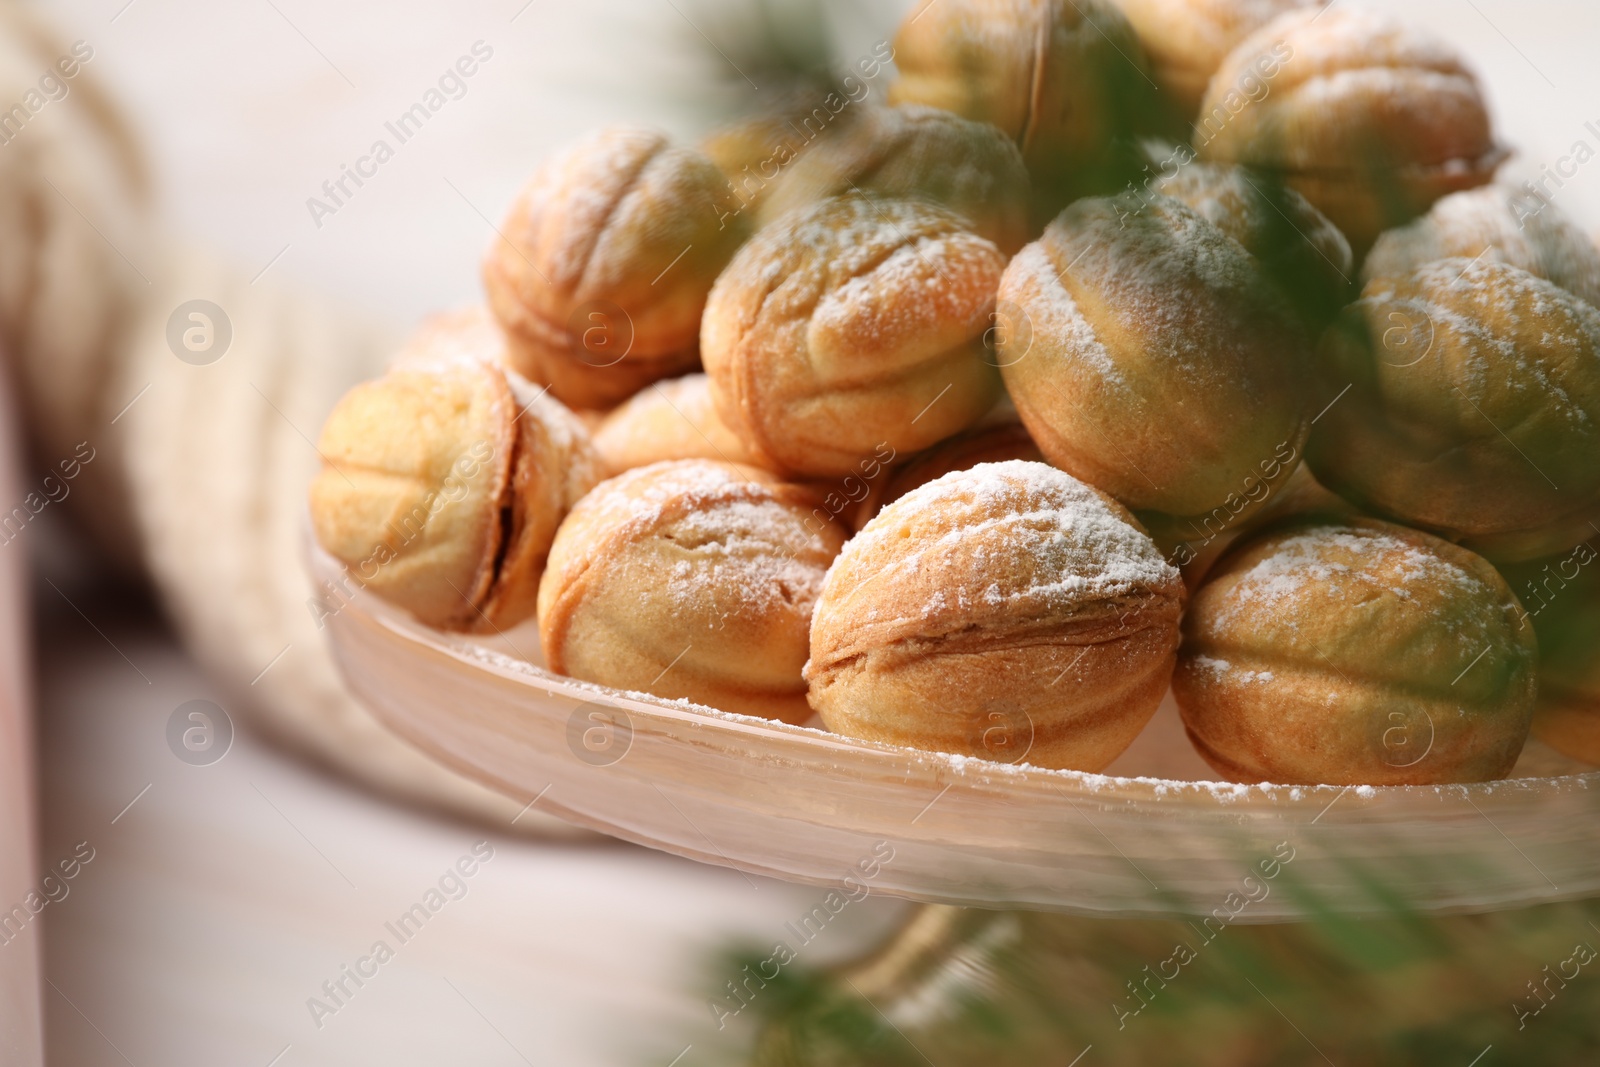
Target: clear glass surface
{"x": 801, "y": 804}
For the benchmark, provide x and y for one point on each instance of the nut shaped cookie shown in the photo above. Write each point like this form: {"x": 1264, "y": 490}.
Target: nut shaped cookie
{"x": 1356, "y": 653}
{"x": 1065, "y": 79}
{"x": 690, "y": 580}
{"x": 442, "y": 488}
{"x": 604, "y": 263}
{"x": 1185, "y": 41}
{"x": 1561, "y": 598}
{"x": 985, "y": 443}
{"x": 1007, "y": 612}
{"x": 1300, "y": 251}
{"x": 672, "y": 419}
{"x": 1471, "y": 407}
{"x": 1370, "y": 119}
{"x": 1150, "y": 358}
{"x": 1495, "y": 223}
{"x": 754, "y": 150}
{"x": 913, "y": 152}
{"x": 849, "y": 325}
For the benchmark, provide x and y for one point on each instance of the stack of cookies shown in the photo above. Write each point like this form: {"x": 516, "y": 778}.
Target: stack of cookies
{"x": 1133, "y": 347}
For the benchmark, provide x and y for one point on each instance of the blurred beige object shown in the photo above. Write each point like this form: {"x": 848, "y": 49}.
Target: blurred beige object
{"x": 673, "y": 419}
{"x": 199, "y": 469}
{"x": 468, "y": 333}
{"x": 74, "y": 262}
{"x": 21, "y": 1040}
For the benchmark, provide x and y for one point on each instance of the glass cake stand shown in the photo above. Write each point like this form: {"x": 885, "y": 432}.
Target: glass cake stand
{"x": 1150, "y": 839}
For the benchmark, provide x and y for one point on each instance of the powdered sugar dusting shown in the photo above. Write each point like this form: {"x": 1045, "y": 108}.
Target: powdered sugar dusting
{"x": 1056, "y": 315}
{"x": 705, "y": 492}
{"x": 742, "y": 557}
{"x": 1017, "y": 537}
{"x": 1505, "y": 329}
{"x": 1353, "y": 565}
{"x": 1498, "y": 224}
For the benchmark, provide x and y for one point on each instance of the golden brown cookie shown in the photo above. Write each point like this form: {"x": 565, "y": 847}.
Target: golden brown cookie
{"x": 913, "y": 152}
{"x": 604, "y": 262}
{"x": 1065, "y": 79}
{"x": 1008, "y": 612}
{"x": 1300, "y": 251}
{"x": 672, "y": 419}
{"x": 985, "y": 443}
{"x": 1185, "y": 41}
{"x": 1194, "y": 546}
{"x": 690, "y": 580}
{"x": 1370, "y": 119}
{"x": 1493, "y": 223}
{"x": 852, "y": 325}
{"x": 442, "y": 489}
{"x": 1470, "y": 407}
{"x": 1149, "y": 357}
{"x": 1561, "y": 598}
{"x": 1356, "y": 653}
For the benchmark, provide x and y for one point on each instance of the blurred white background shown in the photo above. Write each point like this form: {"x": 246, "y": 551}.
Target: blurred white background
{"x": 218, "y": 902}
